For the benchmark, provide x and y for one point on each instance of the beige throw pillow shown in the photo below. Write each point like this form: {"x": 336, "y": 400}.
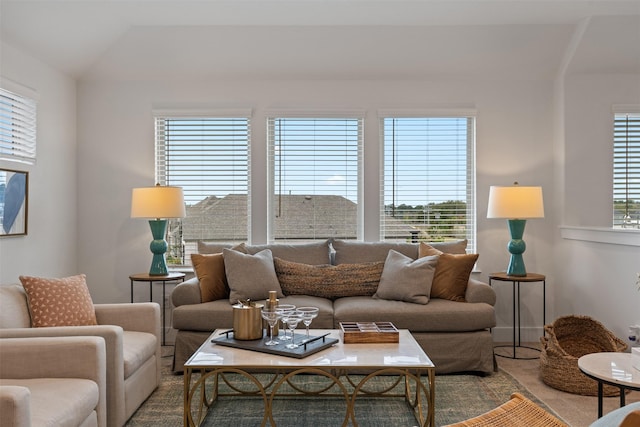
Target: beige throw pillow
{"x": 59, "y": 302}
{"x": 211, "y": 274}
{"x": 250, "y": 276}
{"x": 405, "y": 279}
{"x": 328, "y": 281}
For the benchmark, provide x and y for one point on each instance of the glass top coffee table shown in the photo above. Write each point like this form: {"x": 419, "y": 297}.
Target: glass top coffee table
{"x": 350, "y": 369}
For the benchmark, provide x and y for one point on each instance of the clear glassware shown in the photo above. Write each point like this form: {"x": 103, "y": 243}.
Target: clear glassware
{"x": 284, "y": 310}
{"x": 272, "y": 317}
{"x": 308, "y": 314}
{"x": 293, "y": 319}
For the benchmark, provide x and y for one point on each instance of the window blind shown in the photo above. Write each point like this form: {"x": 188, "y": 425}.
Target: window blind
{"x": 428, "y": 179}
{"x": 17, "y": 127}
{"x": 209, "y": 158}
{"x": 626, "y": 171}
{"x": 315, "y": 177}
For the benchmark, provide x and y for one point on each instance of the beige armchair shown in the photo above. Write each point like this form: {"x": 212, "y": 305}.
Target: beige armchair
{"x": 53, "y": 381}
{"x": 132, "y": 336}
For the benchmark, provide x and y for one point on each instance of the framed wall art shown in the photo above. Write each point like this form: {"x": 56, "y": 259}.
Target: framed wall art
{"x": 14, "y": 202}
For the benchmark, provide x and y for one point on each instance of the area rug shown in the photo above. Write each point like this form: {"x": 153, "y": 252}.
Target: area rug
{"x": 458, "y": 397}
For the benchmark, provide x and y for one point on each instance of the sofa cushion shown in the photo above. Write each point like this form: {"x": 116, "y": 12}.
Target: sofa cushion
{"x": 59, "y": 401}
{"x": 352, "y": 251}
{"x": 406, "y": 279}
{"x": 59, "y": 302}
{"x": 137, "y": 348}
{"x": 212, "y": 277}
{"x": 452, "y": 275}
{"x": 439, "y": 315}
{"x": 316, "y": 253}
{"x": 14, "y": 310}
{"x": 250, "y": 276}
{"x": 328, "y": 281}
{"x": 219, "y": 314}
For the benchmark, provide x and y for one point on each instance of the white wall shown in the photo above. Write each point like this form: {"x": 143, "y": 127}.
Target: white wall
{"x": 49, "y": 248}
{"x": 595, "y": 278}
{"x": 115, "y": 154}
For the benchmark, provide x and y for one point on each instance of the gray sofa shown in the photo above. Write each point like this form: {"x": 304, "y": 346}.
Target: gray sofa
{"x": 456, "y": 335}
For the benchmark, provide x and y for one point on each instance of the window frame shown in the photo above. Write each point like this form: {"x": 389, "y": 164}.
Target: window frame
{"x": 272, "y": 115}
{"x": 222, "y": 115}
{"x": 470, "y": 169}
{"x": 18, "y": 141}
{"x": 626, "y": 146}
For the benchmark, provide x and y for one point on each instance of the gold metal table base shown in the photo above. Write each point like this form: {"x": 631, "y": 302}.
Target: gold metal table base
{"x": 415, "y": 392}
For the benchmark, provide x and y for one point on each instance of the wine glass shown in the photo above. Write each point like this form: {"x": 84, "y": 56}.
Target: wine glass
{"x": 284, "y": 310}
{"x": 293, "y": 318}
{"x": 272, "y": 317}
{"x": 308, "y": 314}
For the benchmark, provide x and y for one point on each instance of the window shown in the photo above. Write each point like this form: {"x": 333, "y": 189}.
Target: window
{"x": 17, "y": 128}
{"x": 315, "y": 178}
{"x": 428, "y": 179}
{"x": 209, "y": 158}
{"x": 626, "y": 171}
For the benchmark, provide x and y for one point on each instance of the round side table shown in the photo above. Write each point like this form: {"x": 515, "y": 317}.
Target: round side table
{"x": 611, "y": 368}
{"x": 515, "y": 281}
{"x": 147, "y": 278}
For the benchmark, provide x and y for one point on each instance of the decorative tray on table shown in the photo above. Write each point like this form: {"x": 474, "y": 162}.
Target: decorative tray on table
{"x": 305, "y": 348}
{"x": 369, "y": 332}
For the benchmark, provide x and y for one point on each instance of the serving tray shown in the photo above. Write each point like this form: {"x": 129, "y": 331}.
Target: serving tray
{"x": 306, "y": 346}
{"x": 369, "y": 332}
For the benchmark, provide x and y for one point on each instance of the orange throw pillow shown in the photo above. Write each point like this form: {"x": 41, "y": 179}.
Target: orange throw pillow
{"x": 59, "y": 302}
{"x": 211, "y": 274}
{"x": 452, "y": 276}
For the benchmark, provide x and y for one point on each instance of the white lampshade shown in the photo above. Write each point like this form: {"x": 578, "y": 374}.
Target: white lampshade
{"x": 157, "y": 202}
{"x": 515, "y": 202}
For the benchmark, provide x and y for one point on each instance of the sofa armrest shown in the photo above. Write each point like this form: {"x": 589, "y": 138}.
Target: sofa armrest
{"x": 58, "y": 357}
{"x": 186, "y": 293}
{"x": 15, "y": 406}
{"x": 478, "y": 291}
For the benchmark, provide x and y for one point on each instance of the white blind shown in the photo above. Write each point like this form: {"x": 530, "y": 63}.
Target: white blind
{"x": 626, "y": 171}
{"x": 428, "y": 182}
{"x": 17, "y": 127}
{"x": 314, "y": 177}
{"x": 209, "y": 158}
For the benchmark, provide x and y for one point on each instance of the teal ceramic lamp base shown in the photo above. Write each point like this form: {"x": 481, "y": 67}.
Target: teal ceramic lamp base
{"x": 158, "y": 246}
{"x": 516, "y": 247}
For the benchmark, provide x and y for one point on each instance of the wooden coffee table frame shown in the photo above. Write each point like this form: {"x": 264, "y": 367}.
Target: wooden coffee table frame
{"x": 206, "y": 379}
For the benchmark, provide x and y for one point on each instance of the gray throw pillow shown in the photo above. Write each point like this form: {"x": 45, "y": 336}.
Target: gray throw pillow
{"x": 404, "y": 279}
{"x": 250, "y": 276}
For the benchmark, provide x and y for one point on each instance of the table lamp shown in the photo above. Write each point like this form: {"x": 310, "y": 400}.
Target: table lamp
{"x": 516, "y": 204}
{"x": 158, "y": 203}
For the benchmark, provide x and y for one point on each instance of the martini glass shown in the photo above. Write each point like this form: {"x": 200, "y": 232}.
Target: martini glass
{"x": 292, "y": 322}
{"x": 308, "y": 314}
{"x": 285, "y": 310}
{"x": 272, "y": 317}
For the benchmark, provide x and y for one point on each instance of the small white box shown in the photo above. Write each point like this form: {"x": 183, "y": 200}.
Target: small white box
{"x": 635, "y": 357}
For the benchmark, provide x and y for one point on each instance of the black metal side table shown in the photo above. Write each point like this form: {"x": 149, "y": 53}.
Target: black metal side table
{"x": 516, "y": 280}
{"x": 146, "y": 277}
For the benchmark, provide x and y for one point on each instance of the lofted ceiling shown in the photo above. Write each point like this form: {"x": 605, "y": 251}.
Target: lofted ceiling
{"x": 326, "y": 39}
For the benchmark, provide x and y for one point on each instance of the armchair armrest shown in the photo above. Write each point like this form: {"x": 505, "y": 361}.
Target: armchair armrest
{"x": 186, "y": 293}
{"x": 113, "y": 337}
{"x": 57, "y": 357}
{"x": 15, "y": 406}
{"x": 478, "y": 291}
{"x": 139, "y": 317}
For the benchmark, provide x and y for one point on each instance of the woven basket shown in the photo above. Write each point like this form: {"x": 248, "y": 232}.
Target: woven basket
{"x": 568, "y": 338}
